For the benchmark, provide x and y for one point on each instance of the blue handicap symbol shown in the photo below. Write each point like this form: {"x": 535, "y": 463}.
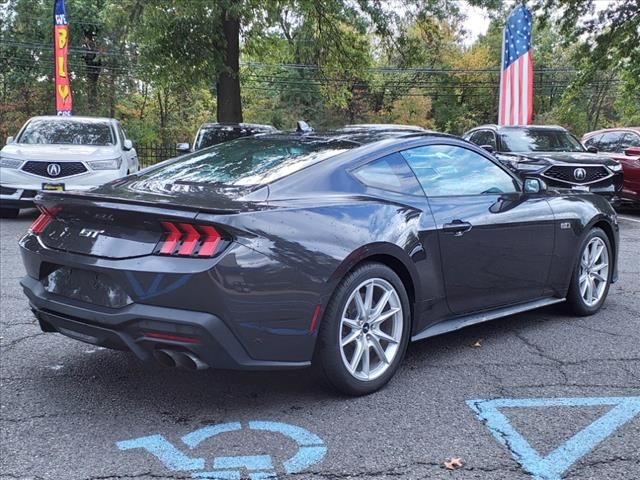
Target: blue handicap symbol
{"x": 563, "y": 457}
{"x": 311, "y": 450}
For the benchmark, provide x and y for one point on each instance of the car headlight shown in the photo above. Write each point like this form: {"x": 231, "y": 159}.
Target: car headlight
{"x": 529, "y": 167}
{"x": 6, "y": 162}
{"x": 113, "y": 164}
{"x": 615, "y": 168}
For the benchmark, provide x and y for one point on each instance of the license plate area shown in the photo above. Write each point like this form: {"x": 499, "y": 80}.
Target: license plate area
{"x": 53, "y": 187}
{"x": 85, "y": 286}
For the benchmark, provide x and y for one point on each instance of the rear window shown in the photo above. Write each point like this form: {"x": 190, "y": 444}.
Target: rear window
{"x": 67, "y": 132}
{"x": 210, "y": 136}
{"x": 247, "y": 161}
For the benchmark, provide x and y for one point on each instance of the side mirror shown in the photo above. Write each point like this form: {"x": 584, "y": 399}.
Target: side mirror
{"x": 127, "y": 145}
{"x": 592, "y": 149}
{"x": 303, "y": 127}
{"x": 631, "y": 151}
{"x": 533, "y": 185}
{"x": 488, "y": 148}
{"x": 182, "y": 148}
{"x": 9, "y": 140}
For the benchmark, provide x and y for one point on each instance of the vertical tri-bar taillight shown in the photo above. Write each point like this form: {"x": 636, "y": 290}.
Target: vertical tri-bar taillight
{"x": 46, "y": 215}
{"x": 189, "y": 240}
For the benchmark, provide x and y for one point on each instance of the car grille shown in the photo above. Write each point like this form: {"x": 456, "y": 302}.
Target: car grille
{"x": 566, "y": 173}
{"x": 66, "y": 168}
{"x": 7, "y": 191}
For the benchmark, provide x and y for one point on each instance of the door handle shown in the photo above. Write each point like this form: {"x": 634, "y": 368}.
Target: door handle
{"x": 457, "y": 227}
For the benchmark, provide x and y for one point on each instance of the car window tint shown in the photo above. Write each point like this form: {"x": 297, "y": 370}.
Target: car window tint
{"x": 593, "y": 141}
{"x": 610, "y": 142}
{"x": 446, "y": 170}
{"x": 538, "y": 140}
{"x": 67, "y": 132}
{"x": 389, "y": 173}
{"x": 246, "y": 161}
{"x": 485, "y": 137}
{"x": 630, "y": 140}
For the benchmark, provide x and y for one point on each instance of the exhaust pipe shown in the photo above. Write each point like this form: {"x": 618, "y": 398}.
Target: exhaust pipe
{"x": 190, "y": 361}
{"x": 166, "y": 358}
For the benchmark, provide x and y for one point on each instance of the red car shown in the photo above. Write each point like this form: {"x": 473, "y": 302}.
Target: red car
{"x": 623, "y": 144}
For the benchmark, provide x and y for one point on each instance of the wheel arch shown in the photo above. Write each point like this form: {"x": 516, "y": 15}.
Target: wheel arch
{"x": 389, "y": 255}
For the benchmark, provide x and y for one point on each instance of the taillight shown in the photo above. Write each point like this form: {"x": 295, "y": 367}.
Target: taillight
{"x": 188, "y": 240}
{"x": 43, "y": 220}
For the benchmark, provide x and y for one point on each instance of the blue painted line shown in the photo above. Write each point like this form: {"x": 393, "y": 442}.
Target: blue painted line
{"x": 254, "y": 462}
{"x": 164, "y": 451}
{"x": 562, "y": 458}
{"x": 193, "y": 439}
{"x": 219, "y": 475}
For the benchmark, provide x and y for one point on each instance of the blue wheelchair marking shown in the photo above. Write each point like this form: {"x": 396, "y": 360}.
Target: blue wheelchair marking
{"x": 163, "y": 450}
{"x": 193, "y": 439}
{"x": 311, "y": 450}
{"x": 562, "y": 458}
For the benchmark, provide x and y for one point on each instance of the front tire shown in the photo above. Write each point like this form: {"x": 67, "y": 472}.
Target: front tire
{"x": 9, "y": 212}
{"x": 365, "y": 330}
{"x": 592, "y": 274}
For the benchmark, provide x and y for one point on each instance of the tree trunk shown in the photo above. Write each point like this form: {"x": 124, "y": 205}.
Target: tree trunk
{"x": 228, "y": 85}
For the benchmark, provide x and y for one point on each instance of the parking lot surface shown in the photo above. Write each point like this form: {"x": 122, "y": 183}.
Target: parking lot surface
{"x": 536, "y": 395}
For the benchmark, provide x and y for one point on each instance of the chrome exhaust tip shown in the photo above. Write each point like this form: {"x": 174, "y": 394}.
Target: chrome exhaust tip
{"x": 190, "y": 361}
{"x": 166, "y": 358}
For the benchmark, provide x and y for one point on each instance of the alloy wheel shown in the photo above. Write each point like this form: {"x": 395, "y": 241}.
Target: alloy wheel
{"x": 594, "y": 271}
{"x": 371, "y": 329}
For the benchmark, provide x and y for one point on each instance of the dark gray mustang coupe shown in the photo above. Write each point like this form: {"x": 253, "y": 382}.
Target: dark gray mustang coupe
{"x": 336, "y": 249}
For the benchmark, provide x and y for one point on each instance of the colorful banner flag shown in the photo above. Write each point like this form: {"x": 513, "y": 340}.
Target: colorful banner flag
{"x": 516, "y": 78}
{"x": 64, "y": 102}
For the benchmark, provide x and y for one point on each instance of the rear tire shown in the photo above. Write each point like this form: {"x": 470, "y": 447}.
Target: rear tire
{"x": 362, "y": 341}
{"x": 592, "y": 274}
{"x": 9, "y": 212}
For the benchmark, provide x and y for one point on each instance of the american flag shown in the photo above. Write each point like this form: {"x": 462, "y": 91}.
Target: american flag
{"x": 516, "y": 78}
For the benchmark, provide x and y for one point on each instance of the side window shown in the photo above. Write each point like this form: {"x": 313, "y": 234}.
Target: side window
{"x": 630, "y": 140}
{"x": 475, "y": 137}
{"x": 449, "y": 170}
{"x": 487, "y": 138}
{"x": 389, "y": 173}
{"x": 610, "y": 142}
{"x": 593, "y": 141}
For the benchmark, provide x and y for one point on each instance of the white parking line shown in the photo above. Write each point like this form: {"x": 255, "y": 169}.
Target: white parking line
{"x": 637, "y": 220}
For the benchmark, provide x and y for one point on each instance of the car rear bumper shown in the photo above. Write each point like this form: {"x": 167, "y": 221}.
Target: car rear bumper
{"x": 137, "y": 328}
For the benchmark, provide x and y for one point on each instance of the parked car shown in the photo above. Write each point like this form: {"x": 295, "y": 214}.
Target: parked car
{"x": 210, "y": 134}
{"x": 335, "y": 249}
{"x": 552, "y": 154}
{"x": 623, "y": 145}
{"x": 62, "y": 153}
{"x": 380, "y": 127}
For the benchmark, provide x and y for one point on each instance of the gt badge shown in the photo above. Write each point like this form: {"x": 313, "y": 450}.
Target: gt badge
{"x": 565, "y": 225}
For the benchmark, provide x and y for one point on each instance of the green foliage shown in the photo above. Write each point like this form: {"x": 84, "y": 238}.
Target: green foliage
{"x": 155, "y": 64}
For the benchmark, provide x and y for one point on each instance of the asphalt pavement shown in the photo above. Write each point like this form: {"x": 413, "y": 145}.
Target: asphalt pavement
{"x": 536, "y": 395}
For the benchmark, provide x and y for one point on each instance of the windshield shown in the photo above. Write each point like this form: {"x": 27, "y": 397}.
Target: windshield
{"x": 533, "y": 140}
{"x": 208, "y": 137}
{"x": 247, "y": 161}
{"x": 67, "y": 132}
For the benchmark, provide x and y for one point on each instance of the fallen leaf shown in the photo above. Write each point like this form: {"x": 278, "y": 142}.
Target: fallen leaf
{"x": 478, "y": 343}
{"x": 453, "y": 463}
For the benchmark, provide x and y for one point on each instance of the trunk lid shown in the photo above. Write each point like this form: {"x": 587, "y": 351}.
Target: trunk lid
{"x": 121, "y": 224}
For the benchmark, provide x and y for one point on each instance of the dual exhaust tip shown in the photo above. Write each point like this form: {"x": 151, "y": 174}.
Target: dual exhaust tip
{"x": 176, "y": 358}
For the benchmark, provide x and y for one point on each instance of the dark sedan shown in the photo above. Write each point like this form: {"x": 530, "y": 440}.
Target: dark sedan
{"x": 336, "y": 249}
{"x": 553, "y": 154}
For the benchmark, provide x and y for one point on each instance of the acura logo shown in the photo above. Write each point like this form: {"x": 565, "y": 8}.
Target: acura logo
{"x": 579, "y": 174}
{"x": 53, "y": 169}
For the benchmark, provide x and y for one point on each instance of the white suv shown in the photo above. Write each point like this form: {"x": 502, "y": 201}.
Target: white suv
{"x": 62, "y": 153}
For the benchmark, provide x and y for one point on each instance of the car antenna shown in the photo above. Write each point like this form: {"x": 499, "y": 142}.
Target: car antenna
{"x": 303, "y": 127}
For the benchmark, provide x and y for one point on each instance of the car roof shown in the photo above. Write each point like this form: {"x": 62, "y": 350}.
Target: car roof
{"x": 357, "y": 136}
{"x": 381, "y": 126}
{"x": 256, "y": 126}
{"x": 495, "y": 128}
{"x": 75, "y": 118}
{"x": 613, "y": 129}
